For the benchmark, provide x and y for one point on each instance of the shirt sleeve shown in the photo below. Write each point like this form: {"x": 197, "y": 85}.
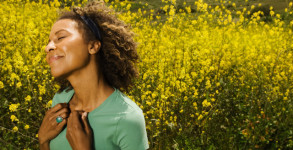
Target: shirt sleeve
{"x": 131, "y": 132}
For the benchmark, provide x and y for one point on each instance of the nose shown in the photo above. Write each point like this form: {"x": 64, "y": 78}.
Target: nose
{"x": 51, "y": 46}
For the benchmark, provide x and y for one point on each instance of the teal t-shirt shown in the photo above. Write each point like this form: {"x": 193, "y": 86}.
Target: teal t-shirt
{"x": 118, "y": 123}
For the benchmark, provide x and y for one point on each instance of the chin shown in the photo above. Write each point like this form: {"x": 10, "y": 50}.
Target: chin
{"x": 58, "y": 74}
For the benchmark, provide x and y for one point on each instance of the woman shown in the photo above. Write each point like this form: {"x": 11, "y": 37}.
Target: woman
{"x": 92, "y": 54}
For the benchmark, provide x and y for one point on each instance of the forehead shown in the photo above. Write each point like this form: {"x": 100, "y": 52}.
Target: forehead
{"x": 65, "y": 24}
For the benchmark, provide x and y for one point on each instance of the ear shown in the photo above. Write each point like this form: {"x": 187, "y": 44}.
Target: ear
{"x": 94, "y": 47}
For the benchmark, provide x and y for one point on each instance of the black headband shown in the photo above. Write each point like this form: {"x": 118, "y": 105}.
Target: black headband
{"x": 93, "y": 27}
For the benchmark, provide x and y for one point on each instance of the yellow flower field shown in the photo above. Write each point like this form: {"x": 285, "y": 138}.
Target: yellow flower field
{"x": 210, "y": 76}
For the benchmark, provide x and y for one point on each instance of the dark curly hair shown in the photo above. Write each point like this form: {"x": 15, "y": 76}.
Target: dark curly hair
{"x": 118, "y": 55}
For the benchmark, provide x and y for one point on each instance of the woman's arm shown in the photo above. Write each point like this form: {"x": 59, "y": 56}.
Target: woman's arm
{"x": 44, "y": 146}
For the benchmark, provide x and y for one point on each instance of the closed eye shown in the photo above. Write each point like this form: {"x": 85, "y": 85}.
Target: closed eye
{"x": 61, "y": 38}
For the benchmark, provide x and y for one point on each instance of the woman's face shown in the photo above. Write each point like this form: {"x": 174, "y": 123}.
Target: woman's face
{"x": 67, "y": 51}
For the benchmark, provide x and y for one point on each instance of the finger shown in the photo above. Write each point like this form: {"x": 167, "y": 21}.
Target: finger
{"x": 75, "y": 120}
{"x": 69, "y": 122}
{"x": 64, "y": 113}
{"x": 58, "y": 107}
{"x": 55, "y": 125}
{"x": 85, "y": 122}
{"x": 61, "y": 125}
{"x": 64, "y": 117}
{"x": 80, "y": 112}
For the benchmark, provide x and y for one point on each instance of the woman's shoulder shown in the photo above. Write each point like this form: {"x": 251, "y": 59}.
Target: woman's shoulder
{"x": 128, "y": 105}
{"x": 62, "y": 97}
{"x": 131, "y": 130}
{"x": 127, "y": 110}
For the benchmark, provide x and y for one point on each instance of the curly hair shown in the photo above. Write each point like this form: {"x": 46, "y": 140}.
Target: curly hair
{"x": 118, "y": 55}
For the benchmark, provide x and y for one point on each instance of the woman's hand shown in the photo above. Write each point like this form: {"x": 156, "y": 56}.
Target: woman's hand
{"x": 50, "y": 128}
{"x": 79, "y": 133}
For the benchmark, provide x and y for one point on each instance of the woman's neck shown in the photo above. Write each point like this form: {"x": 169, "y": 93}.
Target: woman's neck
{"x": 90, "y": 88}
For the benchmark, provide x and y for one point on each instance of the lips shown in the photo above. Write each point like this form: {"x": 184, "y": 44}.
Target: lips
{"x": 54, "y": 58}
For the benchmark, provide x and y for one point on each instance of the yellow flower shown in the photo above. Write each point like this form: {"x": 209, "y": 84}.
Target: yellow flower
{"x": 28, "y": 98}
{"x": 14, "y": 76}
{"x": 272, "y": 13}
{"x": 205, "y": 103}
{"x": 26, "y": 127}
{"x": 259, "y": 4}
{"x": 49, "y": 104}
{"x": 18, "y": 85}
{"x": 15, "y": 129}
{"x": 195, "y": 93}
{"x": 1, "y": 85}
{"x": 42, "y": 89}
{"x": 128, "y": 7}
{"x": 13, "y": 118}
{"x": 208, "y": 84}
{"x": 13, "y": 107}
{"x": 188, "y": 9}
{"x": 148, "y": 103}
{"x": 199, "y": 117}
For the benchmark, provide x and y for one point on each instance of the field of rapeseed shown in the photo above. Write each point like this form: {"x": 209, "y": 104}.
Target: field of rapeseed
{"x": 211, "y": 76}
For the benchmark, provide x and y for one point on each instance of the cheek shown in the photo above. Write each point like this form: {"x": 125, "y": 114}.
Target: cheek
{"x": 77, "y": 60}
{"x": 76, "y": 53}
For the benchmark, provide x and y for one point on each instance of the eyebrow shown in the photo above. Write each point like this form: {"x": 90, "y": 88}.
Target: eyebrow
{"x": 56, "y": 34}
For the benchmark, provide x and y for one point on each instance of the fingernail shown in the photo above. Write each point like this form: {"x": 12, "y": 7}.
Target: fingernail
{"x": 84, "y": 114}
